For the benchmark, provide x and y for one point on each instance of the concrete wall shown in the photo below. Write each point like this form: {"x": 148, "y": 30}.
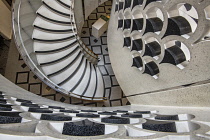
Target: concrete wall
{"x": 132, "y": 81}
{"x": 193, "y": 96}
{"x": 5, "y": 21}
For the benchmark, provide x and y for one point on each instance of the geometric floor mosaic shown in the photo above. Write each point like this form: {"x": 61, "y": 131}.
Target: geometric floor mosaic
{"x": 19, "y": 73}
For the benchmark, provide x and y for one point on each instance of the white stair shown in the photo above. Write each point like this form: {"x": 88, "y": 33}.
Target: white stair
{"x": 58, "y": 52}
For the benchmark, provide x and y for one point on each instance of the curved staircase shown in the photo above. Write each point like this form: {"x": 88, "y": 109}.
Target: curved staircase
{"x": 49, "y": 45}
{"x": 59, "y": 54}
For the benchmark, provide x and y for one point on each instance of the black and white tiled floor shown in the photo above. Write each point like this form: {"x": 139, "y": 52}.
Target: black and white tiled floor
{"x": 18, "y": 72}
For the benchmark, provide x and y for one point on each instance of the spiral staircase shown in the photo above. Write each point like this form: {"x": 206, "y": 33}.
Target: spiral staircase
{"x": 46, "y": 36}
{"x": 51, "y": 45}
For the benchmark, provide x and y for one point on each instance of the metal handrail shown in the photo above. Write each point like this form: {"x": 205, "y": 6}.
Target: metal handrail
{"x": 104, "y": 98}
{"x": 89, "y": 50}
{"x": 32, "y": 65}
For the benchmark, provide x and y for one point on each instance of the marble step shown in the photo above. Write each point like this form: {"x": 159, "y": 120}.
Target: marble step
{"x": 60, "y": 77}
{"x": 62, "y": 66}
{"x": 50, "y": 25}
{"x": 53, "y": 4}
{"x": 45, "y": 47}
{"x": 66, "y": 3}
{"x": 44, "y": 11}
{"x": 47, "y": 58}
{"x": 49, "y": 36}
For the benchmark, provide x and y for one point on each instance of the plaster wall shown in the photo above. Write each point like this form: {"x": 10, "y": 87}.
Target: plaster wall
{"x": 5, "y": 21}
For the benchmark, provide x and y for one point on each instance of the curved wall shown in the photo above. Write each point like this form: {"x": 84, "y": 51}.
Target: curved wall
{"x": 187, "y": 81}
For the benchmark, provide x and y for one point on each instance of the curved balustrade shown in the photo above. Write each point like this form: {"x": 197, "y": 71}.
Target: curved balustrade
{"x": 53, "y": 120}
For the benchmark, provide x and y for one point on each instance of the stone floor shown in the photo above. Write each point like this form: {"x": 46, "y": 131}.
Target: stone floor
{"x": 19, "y": 73}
